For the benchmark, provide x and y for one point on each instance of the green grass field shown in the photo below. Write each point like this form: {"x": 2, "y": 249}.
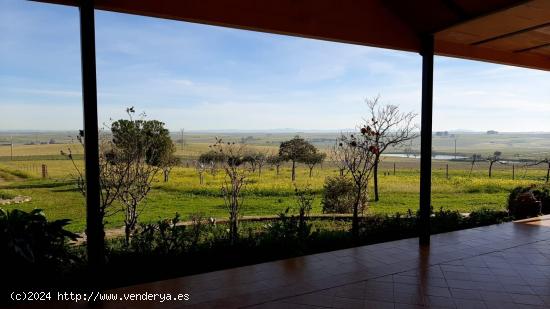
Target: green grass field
{"x": 266, "y": 195}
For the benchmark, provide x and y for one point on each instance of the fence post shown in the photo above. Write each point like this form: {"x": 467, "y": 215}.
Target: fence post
{"x": 44, "y": 171}
{"x": 447, "y": 171}
{"x": 393, "y": 168}
{"x": 513, "y": 171}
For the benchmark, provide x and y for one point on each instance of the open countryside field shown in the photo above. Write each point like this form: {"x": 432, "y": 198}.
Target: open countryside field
{"x": 512, "y": 145}
{"x": 271, "y": 194}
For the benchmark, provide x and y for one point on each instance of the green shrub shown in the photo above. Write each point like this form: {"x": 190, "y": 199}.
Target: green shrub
{"x": 6, "y": 195}
{"x": 523, "y": 203}
{"x": 446, "y": 220}
{"x": 163, "y": 237}
{"x": 485, "y": 216}
{"x": 286, "y": 230}
{"x": 542, "y": 193}
{"x": 379, "y": 228}
{"x": 34, "y": 252}
{"x": 29, "y": 238}
{"x": 338, "y": 195}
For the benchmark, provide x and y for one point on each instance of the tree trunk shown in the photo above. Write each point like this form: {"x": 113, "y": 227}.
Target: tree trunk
{"x": 355, "y": 220}
{"x": 277, "y": 167}
{"x": 293, "y": 170}
{"x": 310, "y": 171}
{"x": 548, "y": 173}
{"x": 166, "y": 173}
{"x": 234, "y": 213}
{"x": 490, "y": 169}
{"x": 127, "y": 235}
{"x": 233, "y": 230}
{"x": 375, "y": 171}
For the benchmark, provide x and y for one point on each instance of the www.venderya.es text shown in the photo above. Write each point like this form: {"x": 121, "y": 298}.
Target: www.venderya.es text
{"x": 30, "y": 296}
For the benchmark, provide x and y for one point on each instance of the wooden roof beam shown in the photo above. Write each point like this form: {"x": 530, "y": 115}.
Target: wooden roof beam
{"x": 510, "y": 34}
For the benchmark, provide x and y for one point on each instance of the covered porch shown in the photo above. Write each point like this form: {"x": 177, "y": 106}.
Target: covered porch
{"x": 498, "y": 266}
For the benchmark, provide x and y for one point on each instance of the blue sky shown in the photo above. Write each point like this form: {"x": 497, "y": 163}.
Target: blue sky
{"x": 201, "y": 77}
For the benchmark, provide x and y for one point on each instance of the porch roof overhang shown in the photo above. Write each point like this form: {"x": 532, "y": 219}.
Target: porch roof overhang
{"x": 510, "y": 32}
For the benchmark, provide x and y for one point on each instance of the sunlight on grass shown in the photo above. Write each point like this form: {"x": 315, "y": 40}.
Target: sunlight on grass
{"x": 268, "y": 194}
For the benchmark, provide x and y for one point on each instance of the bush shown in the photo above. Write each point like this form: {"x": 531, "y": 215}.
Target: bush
{"x": 287, "y": 230}
{"x": 446, "y": 220}
{"x": 29, "y": 238}
{"x": 523, "y": 203}
{"x": 338, "y": 195}
{"x": 6, "y": 195}
{"x": 543, "y": 195}
{"x": 169, "y": 237}
{"x": 34, "y": 251}
{"x": 379, "y": 228}
{"x": 485, "y": 216}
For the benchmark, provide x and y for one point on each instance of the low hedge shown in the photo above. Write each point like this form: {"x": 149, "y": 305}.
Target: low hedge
{"x": 165, "y": 249}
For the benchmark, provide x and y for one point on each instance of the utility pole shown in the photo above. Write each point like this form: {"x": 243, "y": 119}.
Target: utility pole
{"x": 455, "y": 148}
{"x": 182, "y": 140}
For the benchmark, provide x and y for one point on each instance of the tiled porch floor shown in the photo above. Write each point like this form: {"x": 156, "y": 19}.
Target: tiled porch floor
{"x": 499, "y": 266}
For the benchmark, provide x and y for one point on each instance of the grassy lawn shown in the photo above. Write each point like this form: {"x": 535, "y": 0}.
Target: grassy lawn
{"x": 266, "y": 195}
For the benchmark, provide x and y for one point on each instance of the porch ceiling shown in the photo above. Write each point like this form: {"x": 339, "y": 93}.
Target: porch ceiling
{"x": 509, "y": 32}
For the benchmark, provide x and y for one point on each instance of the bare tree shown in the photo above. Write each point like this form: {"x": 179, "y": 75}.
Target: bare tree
{"x": 201, "y": 168}
{"x": 111, "y": 174}
{"x": 211, "y": 159}
{"x": 256, "y": 160}
{"x": 304, "y": 199}
{"x": 392, "y": 127}
{"x": 356, "y": 154}
{"x": 543, "y": 161}
{"x": 408, "y": 150}
{"x": 136, "y": 187}
{"x": 276, "y": 161}
{"x": 495, "y": 158}
{"x": 475, "y": 158}
{"x": 236, "y": 173}
{"x": 261, "y": 160}
{"x": 167, "y": 168}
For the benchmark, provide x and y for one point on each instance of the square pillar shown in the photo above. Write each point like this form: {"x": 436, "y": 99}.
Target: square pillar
{"x": 427, "y": 54}
{"x": 94, "y": 221}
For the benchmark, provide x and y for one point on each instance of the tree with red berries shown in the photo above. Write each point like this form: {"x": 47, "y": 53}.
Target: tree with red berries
{"x": 392, "y": 128}
{"x": 356, "y": 153}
